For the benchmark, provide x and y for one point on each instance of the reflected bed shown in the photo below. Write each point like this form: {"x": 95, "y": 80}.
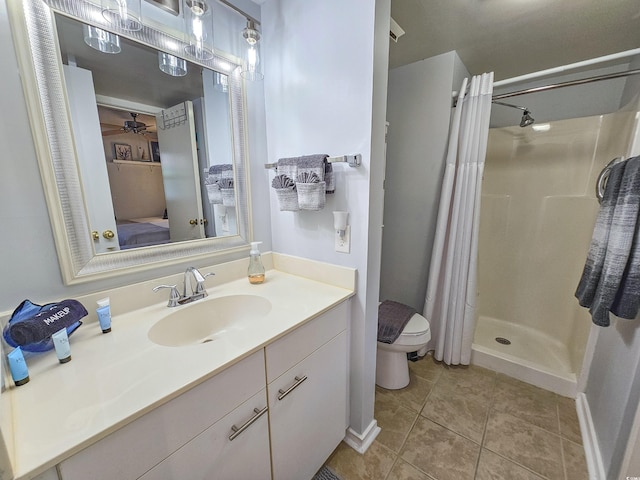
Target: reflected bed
{"x": 142, "y": 232}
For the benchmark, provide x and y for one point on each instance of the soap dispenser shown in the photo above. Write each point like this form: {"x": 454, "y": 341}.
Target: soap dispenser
{"x": 256, "y": 269}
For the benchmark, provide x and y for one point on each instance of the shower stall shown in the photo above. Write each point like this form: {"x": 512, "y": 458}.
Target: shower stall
{"x": 538, "y": 210}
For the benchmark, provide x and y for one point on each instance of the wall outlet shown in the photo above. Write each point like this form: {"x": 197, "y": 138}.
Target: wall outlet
{"x": 343, "y": 244}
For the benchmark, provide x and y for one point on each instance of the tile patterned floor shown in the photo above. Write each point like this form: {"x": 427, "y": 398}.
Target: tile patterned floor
{"x": 457, "y": 423}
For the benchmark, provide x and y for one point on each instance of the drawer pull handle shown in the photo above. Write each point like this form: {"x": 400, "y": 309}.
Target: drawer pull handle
{"x": 284, "y": 393}
{"x": 237, "y": 431}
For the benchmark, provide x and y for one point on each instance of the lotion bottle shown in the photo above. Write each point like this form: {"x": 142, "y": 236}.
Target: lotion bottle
{"x": 256, "y": 269}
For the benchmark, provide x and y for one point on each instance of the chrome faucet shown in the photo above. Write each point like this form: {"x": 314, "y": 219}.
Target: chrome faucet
{"x": 189, "y": 293}
{"x": 199, "y": 291}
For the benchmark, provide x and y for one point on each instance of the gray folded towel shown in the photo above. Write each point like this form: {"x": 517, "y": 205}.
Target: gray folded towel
{"x": 217, "y": 169}
{"x": 218, "y": 172}
{"x": 313, "y": 164}
{"x": 610, "y": 280}
{"x": 288, "y": 167}
{"x": 392, "y": 318}
{"x": 46, "y": 322}
{"x": 329, "y": 178}
{"x": 317, "y": 163}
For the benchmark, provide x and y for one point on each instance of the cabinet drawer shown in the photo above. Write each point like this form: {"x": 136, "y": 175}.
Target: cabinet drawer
{"x": 135, "y": 448}
{"x": 284, "y": 353}
{"x": 308, "y": 411}
{"x": 212, "y": 455}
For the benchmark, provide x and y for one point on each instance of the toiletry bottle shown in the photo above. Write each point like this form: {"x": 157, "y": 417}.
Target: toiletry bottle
{"x": 18, "y": 367}
{"x": 61, "y": 344}
{"x": 256, "y": 269}
{"x": 104, "y": 314}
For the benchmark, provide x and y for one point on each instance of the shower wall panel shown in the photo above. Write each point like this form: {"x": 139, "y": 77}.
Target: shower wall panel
{"x": 537, "y": 215}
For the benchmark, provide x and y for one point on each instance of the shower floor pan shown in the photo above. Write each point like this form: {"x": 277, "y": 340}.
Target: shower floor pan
{"x": 530, "y": 356}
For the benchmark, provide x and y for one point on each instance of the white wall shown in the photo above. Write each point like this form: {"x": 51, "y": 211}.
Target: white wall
{"x": 419, "y": 109}
{"x": 319, "y": 98}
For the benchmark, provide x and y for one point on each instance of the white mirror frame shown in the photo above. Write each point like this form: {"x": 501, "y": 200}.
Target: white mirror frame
{"x": 37, "y": 49}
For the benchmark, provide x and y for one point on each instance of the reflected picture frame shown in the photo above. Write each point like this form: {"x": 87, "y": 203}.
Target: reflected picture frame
{"x": 154, "y": 148}
{"x": 122, "y": 151}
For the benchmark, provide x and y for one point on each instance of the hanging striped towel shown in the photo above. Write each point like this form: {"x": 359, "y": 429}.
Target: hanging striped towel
{"x": 392, "y": 318}
{"x": 610, "y": 281}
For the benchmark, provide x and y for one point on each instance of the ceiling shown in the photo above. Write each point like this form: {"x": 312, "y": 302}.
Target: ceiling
{"x": 514, "y": 37}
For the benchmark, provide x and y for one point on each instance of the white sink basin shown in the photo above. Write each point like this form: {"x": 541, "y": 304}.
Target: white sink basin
{"x": 206, "y": 320}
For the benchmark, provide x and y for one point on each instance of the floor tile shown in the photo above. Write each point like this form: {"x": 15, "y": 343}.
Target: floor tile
{"x": 575, "y": 463}
{"x": 439, "y": 452}
{"x": 413, "y": 395}
{"x": 458, "y": 411}
{"x": 395, "y": 421}
{"x": 526, "y": 433}
{"x": 525, "y": 444}
{"x": 403, "y": 471}
{"x": 473, "y": 381}
{"x": 569, "y": 423}
{"x": 494, "y": 467}
{"x": 427, "y": 367}
{"x": 527, "y": 402}
{"x": 375, "y": 464}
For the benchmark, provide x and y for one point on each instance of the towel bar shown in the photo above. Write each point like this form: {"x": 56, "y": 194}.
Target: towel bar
{"x": 352, "y": 160}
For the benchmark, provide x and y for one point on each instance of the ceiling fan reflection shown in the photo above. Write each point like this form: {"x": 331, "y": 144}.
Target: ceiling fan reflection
{"x": 130, "y": 126}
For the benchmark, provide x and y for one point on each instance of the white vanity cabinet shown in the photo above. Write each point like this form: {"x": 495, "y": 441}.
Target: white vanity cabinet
{"x": 284, "y": 426}
{"x": 307, "y": 390}
{"x": 133, "y": 450}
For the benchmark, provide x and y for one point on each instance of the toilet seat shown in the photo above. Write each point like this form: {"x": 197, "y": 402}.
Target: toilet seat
{"x": 417, "y": 325}
{"x": 414, "y": 332}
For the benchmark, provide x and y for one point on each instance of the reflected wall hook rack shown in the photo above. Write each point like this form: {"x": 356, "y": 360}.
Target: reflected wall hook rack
{"x": 351, "y": 160}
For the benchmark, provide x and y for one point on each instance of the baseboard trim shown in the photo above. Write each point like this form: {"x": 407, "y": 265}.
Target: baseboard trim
{"x": 589, "y": 439}
{"x": 361, "y": 442}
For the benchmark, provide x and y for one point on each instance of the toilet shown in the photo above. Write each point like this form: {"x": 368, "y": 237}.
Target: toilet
{"x": 392, "y": 366}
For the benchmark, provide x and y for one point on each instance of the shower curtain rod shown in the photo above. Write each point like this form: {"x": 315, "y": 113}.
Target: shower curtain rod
{"x": 569, "y": 83}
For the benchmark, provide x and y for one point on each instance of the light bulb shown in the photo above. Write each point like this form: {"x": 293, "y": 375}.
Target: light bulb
{"x": 101, "y": 40}
{"x": 123, "y": 14}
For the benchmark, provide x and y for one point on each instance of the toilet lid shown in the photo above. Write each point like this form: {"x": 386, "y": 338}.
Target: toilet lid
{"x": 417, "y": 325}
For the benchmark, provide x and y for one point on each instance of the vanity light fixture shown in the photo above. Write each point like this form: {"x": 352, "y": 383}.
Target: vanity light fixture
{"x": 123, "y": 14}
{"x": 172, "y": 65}
{"x": 101, "y": 40}
{"x": 198, "y": 27}
{"x": 251, "y": 66}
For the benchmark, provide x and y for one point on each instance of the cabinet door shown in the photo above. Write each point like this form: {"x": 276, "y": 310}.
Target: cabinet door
{"x": 308, "y": 417}
{"x": 212, "y": 455}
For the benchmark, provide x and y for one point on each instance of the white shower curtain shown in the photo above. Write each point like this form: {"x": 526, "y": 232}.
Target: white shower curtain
{"x": 450, "y": 304}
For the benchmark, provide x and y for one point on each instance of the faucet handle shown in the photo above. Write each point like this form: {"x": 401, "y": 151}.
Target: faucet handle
{"x": 174, "y": 295}
{"x": 200, "y": 285}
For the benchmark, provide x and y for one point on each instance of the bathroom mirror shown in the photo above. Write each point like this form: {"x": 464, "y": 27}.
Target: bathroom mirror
{"x": 132, "y": 193}
{"x": 57, "y": 143}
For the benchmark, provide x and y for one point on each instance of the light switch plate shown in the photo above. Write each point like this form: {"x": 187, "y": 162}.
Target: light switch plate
{"x": 343, "y": 245}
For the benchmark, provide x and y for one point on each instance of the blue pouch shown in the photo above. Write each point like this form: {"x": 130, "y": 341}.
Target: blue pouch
{"x": 31, "y": 325}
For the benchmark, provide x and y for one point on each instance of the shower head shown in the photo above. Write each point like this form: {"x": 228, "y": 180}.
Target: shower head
{"x": 526, "y": 119}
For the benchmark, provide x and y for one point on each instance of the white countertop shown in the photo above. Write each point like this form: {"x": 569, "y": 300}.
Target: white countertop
{"x": 117, "y": 377}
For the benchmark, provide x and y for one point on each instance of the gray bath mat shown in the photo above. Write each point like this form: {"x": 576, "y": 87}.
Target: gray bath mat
{"x": 325, "y": 473}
